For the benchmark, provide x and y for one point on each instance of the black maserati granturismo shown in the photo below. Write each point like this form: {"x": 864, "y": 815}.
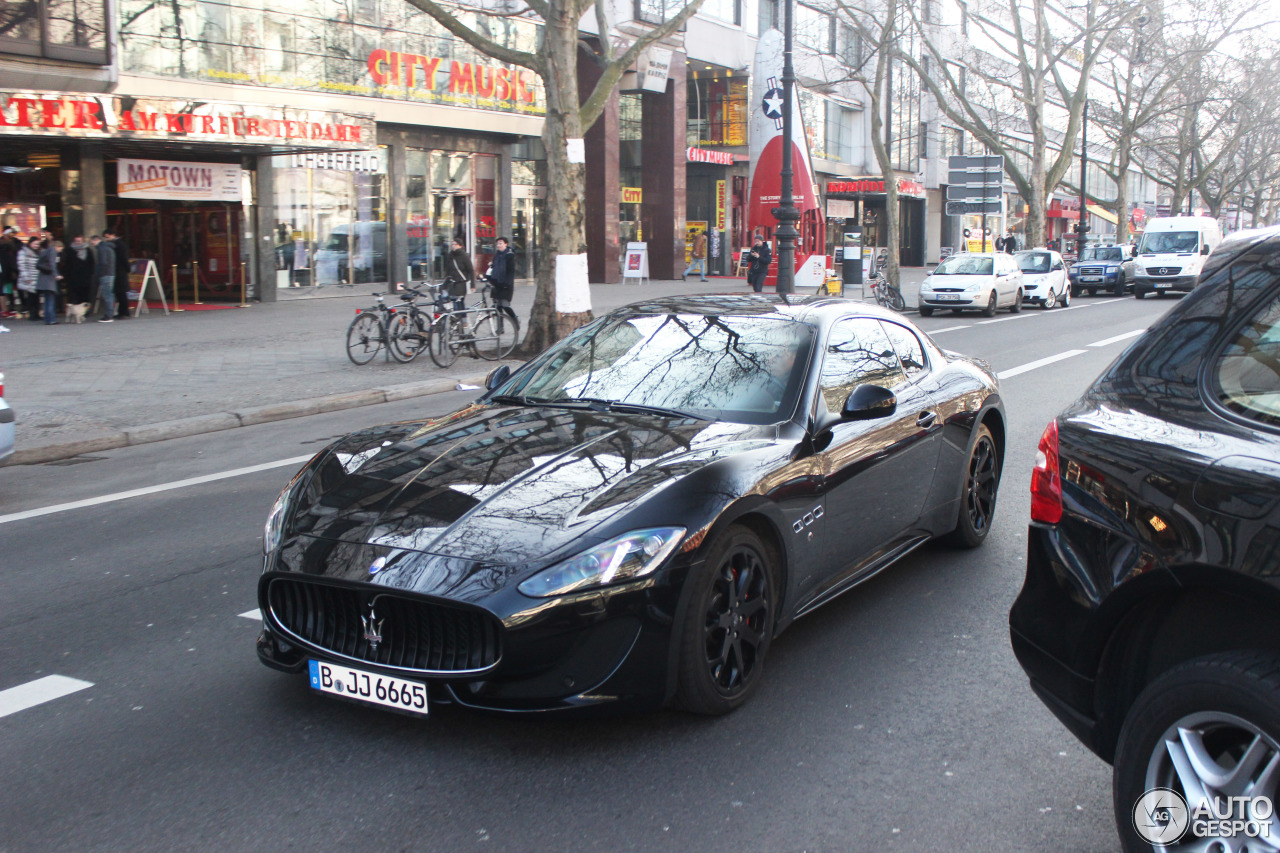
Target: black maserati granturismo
{"x": 630, "y": 518}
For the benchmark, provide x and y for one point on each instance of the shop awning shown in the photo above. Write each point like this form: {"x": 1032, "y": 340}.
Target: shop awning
{"x": 1102, "y": 213}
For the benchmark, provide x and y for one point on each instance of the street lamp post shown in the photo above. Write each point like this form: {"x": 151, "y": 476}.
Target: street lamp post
{"x": 786, "y": 213}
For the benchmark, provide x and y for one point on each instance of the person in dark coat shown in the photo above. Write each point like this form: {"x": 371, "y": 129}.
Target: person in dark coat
{"x": 502, "y": 276}
{"x": 9, "y": 247}
{"x": 761, "y": 256}
{"x": 77, "y": 272}
{"x": 121, "y": 249}
{"x": 47, "y": 281}
{"x": 104, "y": 273}
{"x": 458, "y": 273}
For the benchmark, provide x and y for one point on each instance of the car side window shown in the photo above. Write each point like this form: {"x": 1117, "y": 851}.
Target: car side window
{"x": 858, "y": 352}
{"x": 1247, "y": 373}
{"x": 909, "y": 349}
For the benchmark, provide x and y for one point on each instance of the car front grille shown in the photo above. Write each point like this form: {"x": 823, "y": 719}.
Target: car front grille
{"x": 1092, "y": 270}
{"x": 1164, "y": 270}
{"x": 415, "y": 636}
{"x": 948, "y": 290}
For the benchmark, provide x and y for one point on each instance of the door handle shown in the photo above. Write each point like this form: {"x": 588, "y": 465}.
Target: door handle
{"x": 926, "y": 419}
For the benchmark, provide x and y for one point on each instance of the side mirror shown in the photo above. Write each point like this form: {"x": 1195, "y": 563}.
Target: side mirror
{"x": 869, "y": 402}
{"x": 1204, "y": 250}
{"x": 497, "y": 376}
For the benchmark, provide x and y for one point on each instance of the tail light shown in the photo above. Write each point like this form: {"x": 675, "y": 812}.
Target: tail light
{"x": 1, "y": 385}
{"x": 1046, "y": 484}
{"x": 358, "y": 310}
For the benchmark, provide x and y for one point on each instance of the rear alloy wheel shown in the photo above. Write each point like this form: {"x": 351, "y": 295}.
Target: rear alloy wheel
{"x": 1017, "y": 302}
{"x": 728, "y": 625}
{"x": 1208, "y": 730}
{"x": 978, "y": 501}
{"x": 990, "y": 310}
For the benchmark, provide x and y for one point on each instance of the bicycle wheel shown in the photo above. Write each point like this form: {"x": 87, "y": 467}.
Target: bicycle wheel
{"x": 440, "y": 342}
{"x": 494, "y": 335}
{"x": 406, "y": 338}
{"x": 896, "y": 302}
{"x": 365, "y": 337}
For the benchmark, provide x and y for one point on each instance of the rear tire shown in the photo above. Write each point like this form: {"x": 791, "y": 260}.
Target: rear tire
{"x": 494, "y": 335}
{"x": 365, "y": 337}
{"x": 978, "y": 497}
{"x": 440, "y": 343}
{"x": 727, "y": 626}
{"x": 1204, "y": 714}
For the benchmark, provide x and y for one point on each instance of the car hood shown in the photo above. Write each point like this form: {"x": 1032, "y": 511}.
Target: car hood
{"x": 956, "y": 280}
{"x": 501, "y": 485}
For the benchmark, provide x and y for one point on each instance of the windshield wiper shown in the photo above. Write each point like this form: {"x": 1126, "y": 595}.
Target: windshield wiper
{"x": 518, "y": 400}
{"x": 600, "y": 405}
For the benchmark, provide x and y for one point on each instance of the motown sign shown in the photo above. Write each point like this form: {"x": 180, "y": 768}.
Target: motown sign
{"x": 87, "y": 116}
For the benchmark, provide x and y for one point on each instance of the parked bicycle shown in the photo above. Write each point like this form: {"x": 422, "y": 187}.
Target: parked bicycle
{"x": 369, "y": 331}
{"x": 885, "y": 293}
{"x": 484, "y": 331}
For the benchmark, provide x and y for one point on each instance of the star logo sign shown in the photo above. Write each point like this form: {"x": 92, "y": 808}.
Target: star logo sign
{"x": 773, "y": 102}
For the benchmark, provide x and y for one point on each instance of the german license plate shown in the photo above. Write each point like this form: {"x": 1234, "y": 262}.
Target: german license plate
{"x": 948, "y": 297}
{"x": 1163, "y": 285}
{"x": 385, "y": 690}
{"x": 1091, "y": 278}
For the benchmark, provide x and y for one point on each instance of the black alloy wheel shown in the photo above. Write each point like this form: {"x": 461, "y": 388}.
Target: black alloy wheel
{"x": 978, "y": 502}
{"x": 728, "y": 625}
{"x": 1209, "y": 727}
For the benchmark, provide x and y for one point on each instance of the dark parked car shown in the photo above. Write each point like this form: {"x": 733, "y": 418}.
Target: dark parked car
{"x": 1107, "y": 268}
{"x": 631, "y": 517}
{"x": 1149, "y": 621}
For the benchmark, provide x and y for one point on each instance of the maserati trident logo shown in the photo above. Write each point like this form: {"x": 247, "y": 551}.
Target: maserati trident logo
{"x": 372, "y": 628}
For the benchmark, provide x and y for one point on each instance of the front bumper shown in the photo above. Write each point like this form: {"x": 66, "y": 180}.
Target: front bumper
{"x": 964, "y": 300}
{"x": 1181, "y": 283}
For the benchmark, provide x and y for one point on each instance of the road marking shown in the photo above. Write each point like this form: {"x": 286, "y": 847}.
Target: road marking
{"x": 151, "y": 490}
{"x": 1032, "y": 365}
{"x": 949, "y": 329}
{"x": 38, "y": 692}
{"x": 1006, "y": 319}
{"x": 255, "y": 614}
{"x": 1118, "y": 338}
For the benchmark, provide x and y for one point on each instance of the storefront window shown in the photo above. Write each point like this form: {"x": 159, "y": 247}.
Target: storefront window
{"x": 813, "y": 112}
{"x": 717, "y": 111}
{"x": 331, "y": 217}
{"x": 450, "y": 195}
{"x": 72, "y": 30}
{"x": 839, "y": 133}
{"x": 630, "y": 110}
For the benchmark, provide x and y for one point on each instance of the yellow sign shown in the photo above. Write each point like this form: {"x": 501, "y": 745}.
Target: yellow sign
{"x": 632, "y": 195}
{"x": 720, "y": 203}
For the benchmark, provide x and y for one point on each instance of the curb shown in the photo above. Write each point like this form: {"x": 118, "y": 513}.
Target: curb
{"x": 218, "y": 421}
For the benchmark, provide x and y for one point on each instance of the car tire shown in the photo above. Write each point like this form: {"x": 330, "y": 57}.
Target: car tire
{"x": 1139, "y": 293}
{"x": 1017, "y": 302}
{"x": 1066, "y": 297}
{"x": 1119, "y": 288}
{"x": 978, "y": 492}
{"x": 1217, "y": 706}
{"x": 957, "y": 311}
{"x": 926, "y": 311}
{"x": 1050, "y": 300}
{"x": 727, "y": 625}
{"x": 990, "y": 310}
{"x": 1093, "y": 291}
{"x": 1075, "y": 291}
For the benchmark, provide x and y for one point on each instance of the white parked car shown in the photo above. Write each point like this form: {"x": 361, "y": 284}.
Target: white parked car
{"x": 6, "y": 425}
{"x": 1044, "y": 278}
{"x": 985, "y": 281}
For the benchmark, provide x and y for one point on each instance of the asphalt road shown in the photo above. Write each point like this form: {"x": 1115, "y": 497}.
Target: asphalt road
{"x": 895, "y": 718}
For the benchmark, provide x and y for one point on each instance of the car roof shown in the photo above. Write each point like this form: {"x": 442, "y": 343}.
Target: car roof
{"x": 806, "y": 308}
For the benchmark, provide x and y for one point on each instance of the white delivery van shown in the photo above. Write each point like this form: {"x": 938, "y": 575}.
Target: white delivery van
{"x": 1172, "y": 253}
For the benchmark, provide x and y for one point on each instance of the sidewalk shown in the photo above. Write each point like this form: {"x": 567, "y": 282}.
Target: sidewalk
{"x": 92, "y": 387}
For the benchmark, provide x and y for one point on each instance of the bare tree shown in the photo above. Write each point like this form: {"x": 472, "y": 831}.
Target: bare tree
{"x": 568, "y": 117}
{"x": 1025, "y": 68}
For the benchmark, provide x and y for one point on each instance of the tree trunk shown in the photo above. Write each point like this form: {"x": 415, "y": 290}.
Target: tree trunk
{"x": 1122, "y": 189}
{"x": 562, "y": 302}
{"x": 879, "y": 145}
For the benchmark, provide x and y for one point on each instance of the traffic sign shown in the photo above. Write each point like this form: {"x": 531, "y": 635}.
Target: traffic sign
{"x": 979, "y": 163}
{"x": 959, "y": 208}
{"x": 990, "y": 192}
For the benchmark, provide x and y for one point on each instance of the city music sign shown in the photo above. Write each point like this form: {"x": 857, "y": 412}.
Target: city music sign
{"x": 461, "y": 83}
{"x": 83, "y": 115}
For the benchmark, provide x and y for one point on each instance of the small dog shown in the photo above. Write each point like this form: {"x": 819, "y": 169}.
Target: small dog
{"x": 75, "y": 313}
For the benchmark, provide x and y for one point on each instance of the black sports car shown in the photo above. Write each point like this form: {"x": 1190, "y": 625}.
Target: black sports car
{"x": 631, "y": 517}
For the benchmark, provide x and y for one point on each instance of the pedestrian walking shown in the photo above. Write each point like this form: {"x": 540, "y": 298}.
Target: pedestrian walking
{"x": 697, "y": 256}
{"x": 47, "y": 277}
{"x": 77, "y": 272}
{"x": 761, "y": 256}
{"x": 502, "y": 276}
{"x": 459, "y": 273}
{"x": 121, "y": 250}
{"x": 28, "y": 276}
{"x": 1007, "y": 244}
{"x": 104, "y": 270}
{"x": 9, "y": 247}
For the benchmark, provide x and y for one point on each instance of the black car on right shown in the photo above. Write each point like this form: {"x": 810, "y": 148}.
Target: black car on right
{"x": 1149, "y": 620}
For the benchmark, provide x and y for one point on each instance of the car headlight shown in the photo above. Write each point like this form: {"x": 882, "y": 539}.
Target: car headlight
{"x": 973, "y": 288}
{"x": 623, "y": 559}
{"x": 275, "y": 521}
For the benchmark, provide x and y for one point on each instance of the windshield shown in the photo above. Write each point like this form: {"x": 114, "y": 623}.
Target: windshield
{"x": 964, "y": 265}
{"x": 337, "y": 241}
{"x": 1103, "y": 253}
{"x": 1169, "y": 242}
{"x": 739, "y": 369}
{"x": 1034, "y": 262}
